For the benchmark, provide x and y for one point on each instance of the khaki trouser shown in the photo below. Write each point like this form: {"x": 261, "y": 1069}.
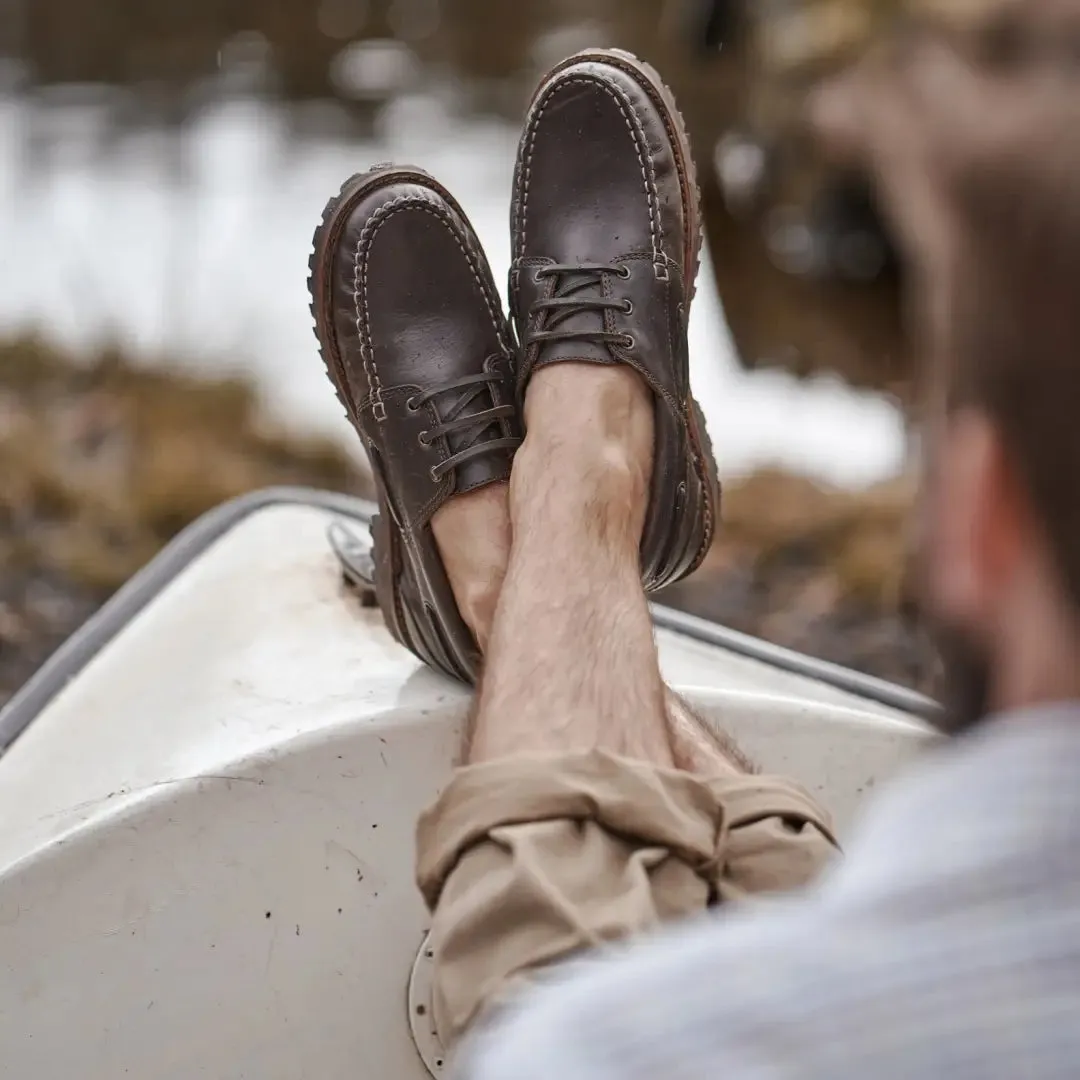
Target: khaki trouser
{"x": 525, "y": 862}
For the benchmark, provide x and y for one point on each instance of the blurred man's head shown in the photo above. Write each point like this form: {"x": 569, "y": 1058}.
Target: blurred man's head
{"x": 974, "y": 146}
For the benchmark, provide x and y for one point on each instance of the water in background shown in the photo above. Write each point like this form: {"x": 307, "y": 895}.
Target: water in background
{"x": 193, "y": 244}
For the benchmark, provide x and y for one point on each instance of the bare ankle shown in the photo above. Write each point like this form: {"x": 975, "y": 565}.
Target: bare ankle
{"x": 588, "y": 452}
{"x": 579, "y": 404}
{"x": 594, "y": 492}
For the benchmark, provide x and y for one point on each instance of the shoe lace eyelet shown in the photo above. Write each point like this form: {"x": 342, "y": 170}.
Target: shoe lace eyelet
{"x": 629, "y": 341}
{"x": 410, "y": 404}
{"x": 538, "y": 277}
{"x": 628, "y": 307}
{"x": 624, "y": 270}
{"x": 424, "y": 439}
{"x": 435, "y": 475}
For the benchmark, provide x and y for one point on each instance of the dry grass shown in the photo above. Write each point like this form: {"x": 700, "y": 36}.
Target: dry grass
{"x": 101, "y": 463}
{"x": 776, "y": 519}
{"x": 816, "y": 569}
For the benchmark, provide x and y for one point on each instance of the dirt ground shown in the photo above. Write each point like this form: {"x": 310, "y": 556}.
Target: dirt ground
{"x": 103, "y": 461}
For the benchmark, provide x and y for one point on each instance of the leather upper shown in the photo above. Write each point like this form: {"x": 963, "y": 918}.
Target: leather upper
{"x": 415, "y": 312}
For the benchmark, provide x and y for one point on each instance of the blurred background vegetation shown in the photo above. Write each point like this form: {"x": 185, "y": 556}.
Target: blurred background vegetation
{"x": 107, "y": 450}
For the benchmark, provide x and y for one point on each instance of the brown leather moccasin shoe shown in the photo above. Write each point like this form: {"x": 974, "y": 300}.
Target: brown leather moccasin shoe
{"x": 606, "y": 236}
{"x": 412, "y": 333}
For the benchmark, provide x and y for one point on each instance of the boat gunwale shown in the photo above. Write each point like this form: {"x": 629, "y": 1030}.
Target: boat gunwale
{"x": 104, "y": 625}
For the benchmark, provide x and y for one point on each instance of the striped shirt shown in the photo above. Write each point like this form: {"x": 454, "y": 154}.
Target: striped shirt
{"x": 946, "y": 944}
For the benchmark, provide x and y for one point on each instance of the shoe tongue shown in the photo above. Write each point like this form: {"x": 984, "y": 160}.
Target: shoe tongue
{"x": 479, "y": 470}
{"x": 581, "y": 286}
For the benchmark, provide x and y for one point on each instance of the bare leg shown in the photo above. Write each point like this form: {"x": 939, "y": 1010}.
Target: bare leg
{"x": 473, "y": 532}
{"x": 571, "y": 662}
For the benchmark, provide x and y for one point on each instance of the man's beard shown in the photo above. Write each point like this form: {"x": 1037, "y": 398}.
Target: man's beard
{"x": 964, "y": 690}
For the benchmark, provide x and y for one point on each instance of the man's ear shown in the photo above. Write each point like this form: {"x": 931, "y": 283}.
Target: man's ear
{"x": 975, "y": 536}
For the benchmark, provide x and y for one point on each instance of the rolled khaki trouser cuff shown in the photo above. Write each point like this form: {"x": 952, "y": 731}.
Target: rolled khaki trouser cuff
{"x": 527, "y": 861}
{"x": 774, "y": 836}
{"x": 630, "y": 798}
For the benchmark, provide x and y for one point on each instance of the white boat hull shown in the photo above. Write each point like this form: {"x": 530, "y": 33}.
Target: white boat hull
{"x": 207, "y": 839}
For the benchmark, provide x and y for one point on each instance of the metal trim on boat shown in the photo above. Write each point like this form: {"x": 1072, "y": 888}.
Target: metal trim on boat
{"x": 68, "y": 660}
{"x": 796, "y": 663}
